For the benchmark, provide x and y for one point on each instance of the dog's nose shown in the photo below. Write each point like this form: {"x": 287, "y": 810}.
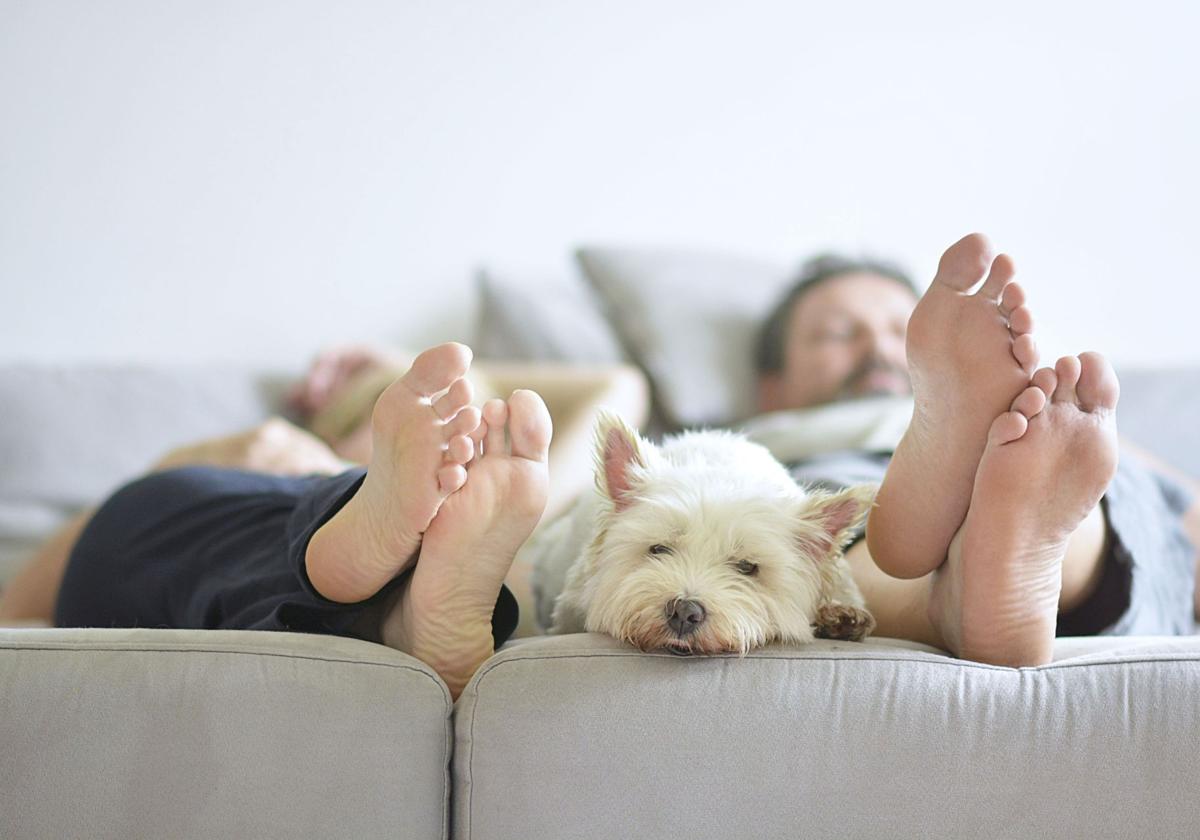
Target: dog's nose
{"x": 684, "y": 616}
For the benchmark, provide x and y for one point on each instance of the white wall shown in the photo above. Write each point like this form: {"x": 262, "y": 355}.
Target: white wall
{"x": 252, "y": 180}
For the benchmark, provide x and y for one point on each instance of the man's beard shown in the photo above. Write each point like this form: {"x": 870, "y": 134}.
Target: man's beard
{"x": 851, "y": 387}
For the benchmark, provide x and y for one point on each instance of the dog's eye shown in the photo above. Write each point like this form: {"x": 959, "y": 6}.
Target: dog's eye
{"x": 659, "y": 548}
{"x": 746, "y": 567}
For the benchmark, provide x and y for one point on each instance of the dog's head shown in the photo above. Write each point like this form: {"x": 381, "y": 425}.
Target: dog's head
{"x": 707, "y": 545}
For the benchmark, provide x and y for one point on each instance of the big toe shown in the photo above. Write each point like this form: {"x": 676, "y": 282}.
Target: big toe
{"x": 999, "y": 281}
{"x": 965, "y": 262}
{"x": 529, "y": 426}
{"x": 437, "y": 368}
{"x": 1098, "y": 387}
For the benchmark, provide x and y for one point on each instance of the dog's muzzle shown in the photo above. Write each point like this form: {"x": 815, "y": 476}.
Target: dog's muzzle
{"x": 685, "y": 616}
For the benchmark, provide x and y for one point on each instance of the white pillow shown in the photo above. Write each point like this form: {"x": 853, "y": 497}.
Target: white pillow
{"x": 689, "y": 319}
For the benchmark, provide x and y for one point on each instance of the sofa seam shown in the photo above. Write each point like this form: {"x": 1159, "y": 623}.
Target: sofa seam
{"x": 949, "y": 661}
{"x": 335, "y": 660}
{"x": 447, "y": 777}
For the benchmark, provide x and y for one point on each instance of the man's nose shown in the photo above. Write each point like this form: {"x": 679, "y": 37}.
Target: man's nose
{"x": 886, "y": 349}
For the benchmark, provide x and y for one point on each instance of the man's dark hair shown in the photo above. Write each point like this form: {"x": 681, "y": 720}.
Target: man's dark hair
{"x": 772, "y": 335}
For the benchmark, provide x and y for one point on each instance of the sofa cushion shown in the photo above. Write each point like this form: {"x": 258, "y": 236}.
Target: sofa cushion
{"x": 579, "y": 736}
{"x": 174, "y": 733}
{"x": 1160, "y": 411}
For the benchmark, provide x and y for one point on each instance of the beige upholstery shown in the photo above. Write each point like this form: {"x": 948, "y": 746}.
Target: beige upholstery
{"x": 580, "y": 737}
{"x": 207, "y": 734}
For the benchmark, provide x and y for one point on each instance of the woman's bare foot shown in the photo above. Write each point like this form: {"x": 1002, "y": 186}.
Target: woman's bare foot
{"x": 443, "y": 615}
{"x": 969, "y": 355}
{"x": 421, "y": 443}
{"x": 1047, "y": 463}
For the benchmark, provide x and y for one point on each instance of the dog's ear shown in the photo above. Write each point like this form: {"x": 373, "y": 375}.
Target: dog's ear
{"x": 618, "y": 448}
{"x": 828, "y": 520}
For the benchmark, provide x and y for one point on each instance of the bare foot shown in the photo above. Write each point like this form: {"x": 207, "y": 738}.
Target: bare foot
{"x": 421, "y": 445}
{"x": 1046, "y": 465}
{"x": 969, "y": 355}
{"x": 443, "y": 616}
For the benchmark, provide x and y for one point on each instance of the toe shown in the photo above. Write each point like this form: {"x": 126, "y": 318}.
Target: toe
{"x": 1030, "y": 401}
{"x": 495, "y": 414}
{"x": 964, "y": 262}
{"x": 478, "y": 435}
{"x": 437, "y": 368}
{"x": 1066, "y": 370}
{"x": 448, "y": 404}
{"x": 1007, "y": 427}
{"x": 1047, "y": 380}
{"x": 1098, "y": 387}
{"x": 529, "y": 426}
{"x": 463, "y": 423}
{"x": 1021, "y": 321}
{"x": 1012, "y": 297}
{"x": 451, "y": 477}
{"x": 1002, "y": 272}
{"x": 1025, "y": 351}
{"x": 460, "y": 449}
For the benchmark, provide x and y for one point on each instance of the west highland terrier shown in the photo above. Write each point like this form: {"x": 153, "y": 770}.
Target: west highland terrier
{"x": 704, "y": 544}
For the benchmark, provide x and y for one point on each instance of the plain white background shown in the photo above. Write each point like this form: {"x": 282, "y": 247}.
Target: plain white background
{"x": 250, "y": 181}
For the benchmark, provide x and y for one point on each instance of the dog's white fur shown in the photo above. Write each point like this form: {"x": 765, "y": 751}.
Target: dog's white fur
{"x": 709, "y": 503}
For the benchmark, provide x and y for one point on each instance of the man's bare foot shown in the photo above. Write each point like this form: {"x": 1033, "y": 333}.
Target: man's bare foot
{"x": 421, "y": 445}
{"x": 969, "y": 355}
{"x": 1046, "y": 465}
{"x": 443, "y": 615}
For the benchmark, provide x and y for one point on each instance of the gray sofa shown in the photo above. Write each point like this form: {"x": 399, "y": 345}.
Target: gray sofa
{"x": 164, "y": 733}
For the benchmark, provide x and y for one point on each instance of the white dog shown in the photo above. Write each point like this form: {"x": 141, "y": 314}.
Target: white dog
{"x": 704, "y": 544}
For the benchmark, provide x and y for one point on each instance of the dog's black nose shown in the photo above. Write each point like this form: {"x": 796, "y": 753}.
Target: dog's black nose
{"x": 685, "y": 617}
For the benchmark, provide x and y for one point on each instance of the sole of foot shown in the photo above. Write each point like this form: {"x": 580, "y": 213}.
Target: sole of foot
{"x": 443, "y": 615}
{"x": 969, "y": 354}
{"x": 1047, "y": 463}
{"x": 423, "y": 430}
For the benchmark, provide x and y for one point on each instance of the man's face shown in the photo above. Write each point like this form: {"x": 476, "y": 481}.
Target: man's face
{"x": 845, "y": 339}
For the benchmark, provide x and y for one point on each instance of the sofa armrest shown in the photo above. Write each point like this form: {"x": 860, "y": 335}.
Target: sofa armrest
{"x": 188, "y": 733}
{"x": 579, "y": 736}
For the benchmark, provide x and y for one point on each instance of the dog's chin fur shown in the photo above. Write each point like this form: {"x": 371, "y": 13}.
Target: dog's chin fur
{"x": 681, "y": 521}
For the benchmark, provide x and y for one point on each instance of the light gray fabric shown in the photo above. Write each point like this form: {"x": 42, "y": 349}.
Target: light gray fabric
{"x": 556, "y": 319}
{"x": 578, "y": 737}
{"x": 202, "y": 734}
{"x": 69, "y": 435}
{"x": 689, "y": 319}
{"x": 1160, "y": 411}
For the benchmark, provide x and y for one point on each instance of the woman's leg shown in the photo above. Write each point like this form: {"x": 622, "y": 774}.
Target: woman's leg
{"x": 30, "y": 595}
{"x": 275, "y": 447}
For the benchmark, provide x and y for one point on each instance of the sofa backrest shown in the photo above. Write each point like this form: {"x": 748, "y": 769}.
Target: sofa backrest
{"x": 70, "y": 435}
